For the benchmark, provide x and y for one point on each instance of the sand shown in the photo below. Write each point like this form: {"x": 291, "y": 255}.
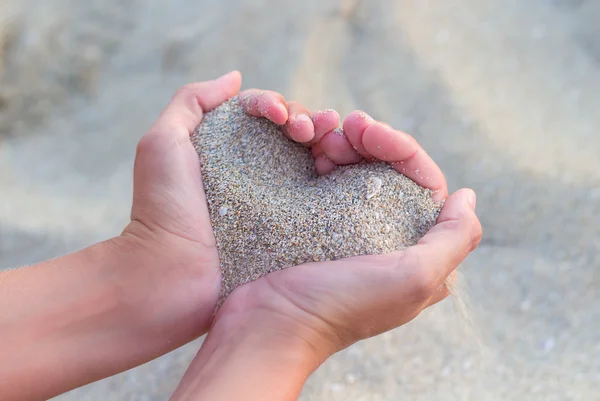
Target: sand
{"x": 270, "y": 210}
{"x": 480, "y": 86}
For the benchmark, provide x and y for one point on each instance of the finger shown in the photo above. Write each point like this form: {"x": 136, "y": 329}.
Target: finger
{"x": 299, "y": 127}
{"x": 325, "y": 121}
{"x": 406, "y": 156}
{"x": 456, "y": 234}
{"x": 317, "y": 151}
{"x": 331, "y": 142}
{"x": 338, "y": 149}
{"x": 184, "y": 112}
{"x": 268, "y": 104}
{"x": 166, "y": 164}
{"x": 354, "y": 127}
{"x": 212, "y": 94}
{"x": 323, "y": 165}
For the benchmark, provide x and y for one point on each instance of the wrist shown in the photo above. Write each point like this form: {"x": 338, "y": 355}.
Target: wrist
{"x": 163, "y": 288}
{"x": 249, "y": 357}
{"x": 260, "y": 334}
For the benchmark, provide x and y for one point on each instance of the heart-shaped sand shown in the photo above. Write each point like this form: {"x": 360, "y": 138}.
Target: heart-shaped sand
{"x": 270, "y": 210}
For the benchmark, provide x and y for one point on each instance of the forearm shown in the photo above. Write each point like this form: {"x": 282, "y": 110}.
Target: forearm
{"x": 77, "y": 319}
{"x": 249, "y": 362}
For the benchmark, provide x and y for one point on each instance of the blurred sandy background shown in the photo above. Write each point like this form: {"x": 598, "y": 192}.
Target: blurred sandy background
{"x": 505, "y": 95}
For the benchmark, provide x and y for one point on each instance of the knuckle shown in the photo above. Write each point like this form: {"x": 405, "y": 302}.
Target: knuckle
{"x": 468, "y": 228}
{"x": 146, "y": 144}
{"x": 186, "y": 90}
{"x": 188, "y": 95}
{"x": 159, "y": 139}
{"x": 455, "y": 225}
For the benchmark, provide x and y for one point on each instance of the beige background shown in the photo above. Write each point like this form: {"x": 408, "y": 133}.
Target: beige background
{"x": 503, "y": 94}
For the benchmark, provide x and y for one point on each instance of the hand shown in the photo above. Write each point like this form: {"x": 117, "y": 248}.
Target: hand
{"x": 170, "y": 229}
{"x": 337, "y": 303}
{"x": 290, "y": 321}
{"x": 125, "y": 301}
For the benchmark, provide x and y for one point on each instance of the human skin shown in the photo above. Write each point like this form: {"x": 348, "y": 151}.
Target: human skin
{"x": 271, "y": 334}
{"x": 120, "y": 303}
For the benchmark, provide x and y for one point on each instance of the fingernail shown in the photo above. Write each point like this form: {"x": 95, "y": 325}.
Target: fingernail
{"x": 472, "y": 199}
{"x": 283, "y": 109}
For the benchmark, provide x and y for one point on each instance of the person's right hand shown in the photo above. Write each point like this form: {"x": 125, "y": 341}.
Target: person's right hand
{"x": 270, "y": 334}
{"x": 331, "y": 305}
{"x": 337, "y": 303}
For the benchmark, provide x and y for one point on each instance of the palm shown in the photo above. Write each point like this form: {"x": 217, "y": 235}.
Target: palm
{"x": 337, "y": 295}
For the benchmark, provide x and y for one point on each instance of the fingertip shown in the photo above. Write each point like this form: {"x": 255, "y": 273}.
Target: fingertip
{"x": 230, "y": 83}
{"x": 355, "y": 125}
{"x": 458, "y": 204}
{"x": 323, "y": 165}
{"x": 339, "y": 149}
{"x": 325, "y": 121}
{"x": 272, "y": 107}
{"x": 467, "y": 198}
{"x": 301, "y": 128}
{"x": 186, "y": 108}
{"x": 233, "y": 76}
{"x": 406, "y": 156}
{"x": 460, "y": 209}
{"x": 278, "y": 113}
{"x": 361, "y": 114}
{"x": 455, "y": 235}
{"x": 359, "y": 118}
{"x": 266, "y": 104}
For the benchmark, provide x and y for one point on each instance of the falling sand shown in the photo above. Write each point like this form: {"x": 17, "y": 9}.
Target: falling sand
{"x": 270, "y": 210}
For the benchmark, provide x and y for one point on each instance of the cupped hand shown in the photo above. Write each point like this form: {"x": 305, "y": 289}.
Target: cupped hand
{"x": 330, "y": 305}
{"x": 170, "y": 232}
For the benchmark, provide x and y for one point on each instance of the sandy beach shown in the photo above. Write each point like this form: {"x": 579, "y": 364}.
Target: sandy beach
{"x": 503, "y": 95}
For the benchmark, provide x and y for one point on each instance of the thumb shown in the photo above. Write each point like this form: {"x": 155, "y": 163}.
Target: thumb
{"x": 168, "y": 190}
{"x": 415, "y": 275}
{"x": 184, "y": 112}
{"x": 456, "y": 234}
